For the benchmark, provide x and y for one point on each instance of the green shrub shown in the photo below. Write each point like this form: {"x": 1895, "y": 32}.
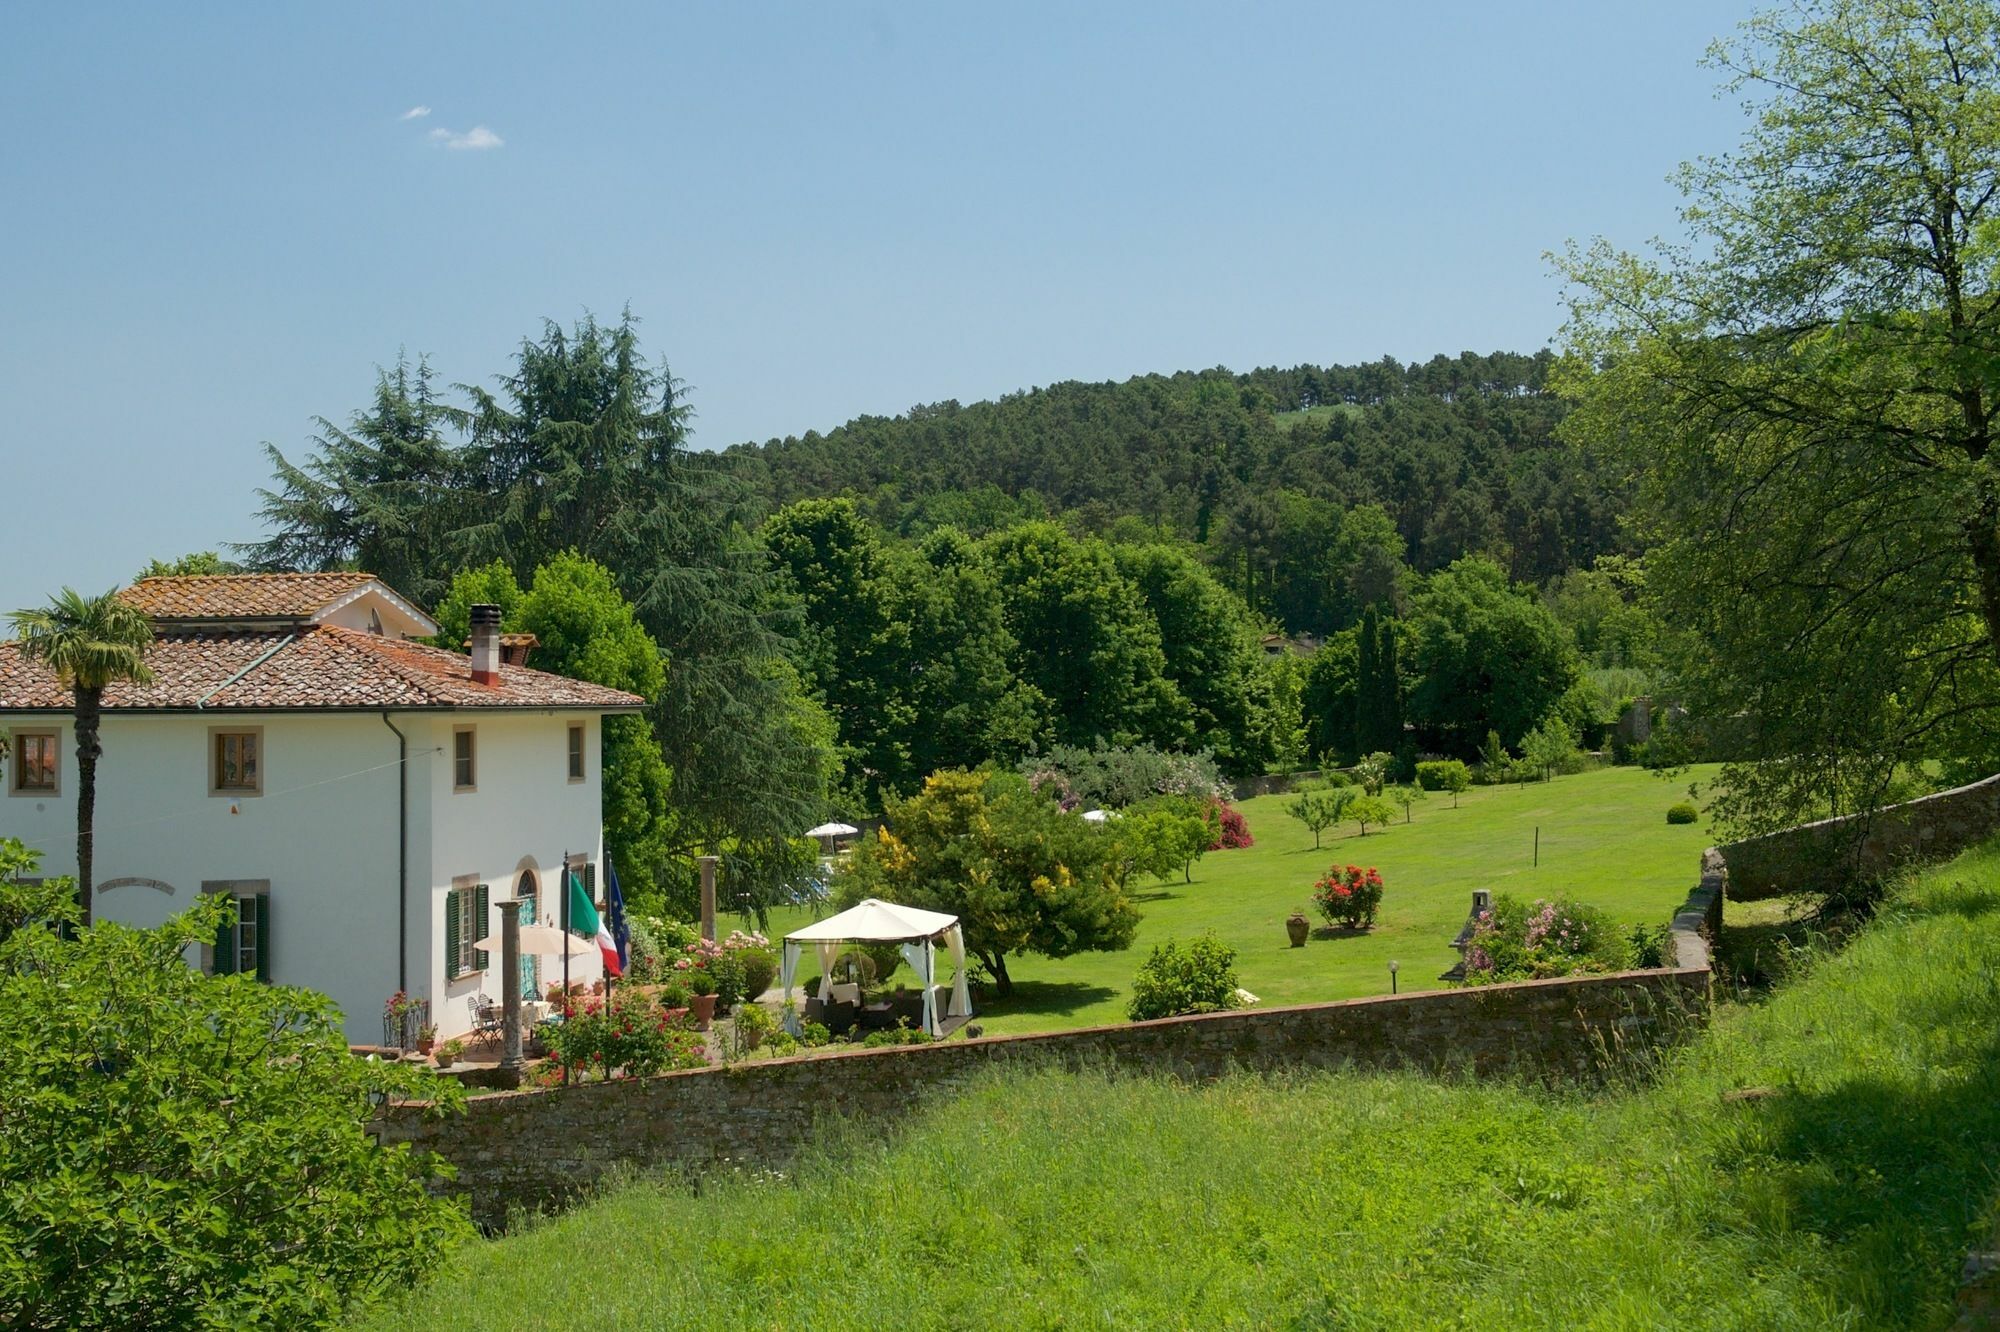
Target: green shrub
{"x": 900, "y": 1034}
{"x": 760, "y": 968}
{"x": 1443, "y": 775}
{"x": 1197, "y": 978}
{"x": 1650, "y": 945}
{"x": 1684, "y": 812}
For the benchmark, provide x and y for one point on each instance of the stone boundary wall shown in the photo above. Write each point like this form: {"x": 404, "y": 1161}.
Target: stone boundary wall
{"x": 536, "y": 1150}
{"x": 1861, "y": 846}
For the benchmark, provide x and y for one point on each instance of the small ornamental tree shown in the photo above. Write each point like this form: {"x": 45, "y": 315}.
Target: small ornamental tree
{"x": 1371, "y": 770}
{"x": 1165, "y": 835}
{"x": 1550, "y": 748}
{"x": 1348, "y": 896}
{"x": 1320, "y": 810}
{"x": 1407, "y": 795}
{"x": 1199, "y": 977}
{"x": 1370, "y": 809}
{"x": 183, "y": 1150}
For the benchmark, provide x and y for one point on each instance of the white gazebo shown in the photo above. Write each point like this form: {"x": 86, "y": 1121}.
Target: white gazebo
{"x": 875, "y": 921}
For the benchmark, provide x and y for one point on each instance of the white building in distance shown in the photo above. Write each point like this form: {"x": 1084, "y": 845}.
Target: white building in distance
{"x": 368, "y": 800}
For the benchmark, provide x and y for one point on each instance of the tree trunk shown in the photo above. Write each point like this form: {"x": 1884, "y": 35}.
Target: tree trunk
{"x": 1003, "y": 984}
{"x": 88, "y": 714}
{"x": 1982, "y": 535}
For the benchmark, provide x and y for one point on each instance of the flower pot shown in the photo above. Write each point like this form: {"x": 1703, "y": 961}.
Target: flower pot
{"x": 444, "y": 1063}
{"x": 425, "y": 1046}
{"x": 1298, "y": 927}
{"x": 704, "y": 1011}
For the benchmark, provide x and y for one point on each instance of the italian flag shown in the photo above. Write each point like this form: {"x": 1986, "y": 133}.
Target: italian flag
{"x": 584, "y": 920}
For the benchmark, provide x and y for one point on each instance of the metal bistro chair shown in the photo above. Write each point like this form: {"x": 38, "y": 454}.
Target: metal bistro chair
{"x": 487, "y": 1018}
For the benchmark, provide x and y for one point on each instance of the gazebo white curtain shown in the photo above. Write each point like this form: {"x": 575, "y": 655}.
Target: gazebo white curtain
{"x": 876, "y": 921}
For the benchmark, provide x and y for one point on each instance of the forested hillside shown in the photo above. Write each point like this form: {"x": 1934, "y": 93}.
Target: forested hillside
{"x": 1259, "y": 469}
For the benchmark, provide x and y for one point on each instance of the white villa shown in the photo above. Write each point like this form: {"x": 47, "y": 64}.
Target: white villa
{"x": 368, "y": 800}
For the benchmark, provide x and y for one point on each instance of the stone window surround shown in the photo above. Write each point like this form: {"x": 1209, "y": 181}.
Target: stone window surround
{"x": 14, "y": 738}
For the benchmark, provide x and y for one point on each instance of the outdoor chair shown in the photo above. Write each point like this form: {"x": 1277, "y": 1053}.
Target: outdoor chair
{"x": 487, "y": 1018}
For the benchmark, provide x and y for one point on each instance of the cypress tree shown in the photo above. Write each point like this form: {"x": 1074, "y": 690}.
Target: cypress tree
{"x": 1389, "y": 710}
{"x": 1367, "y": 684}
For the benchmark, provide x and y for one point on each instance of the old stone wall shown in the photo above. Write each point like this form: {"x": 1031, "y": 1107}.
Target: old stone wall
{"x": 1862, "y": 846}
{"x": 536, "y": 1149}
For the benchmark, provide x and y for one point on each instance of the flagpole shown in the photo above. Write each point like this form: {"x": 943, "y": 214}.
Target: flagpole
{"x": 565, "y": 941}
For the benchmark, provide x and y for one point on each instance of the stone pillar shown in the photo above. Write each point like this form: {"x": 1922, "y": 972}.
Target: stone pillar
{"x": 510, "y": 984}
{"x": 708, "y": 864}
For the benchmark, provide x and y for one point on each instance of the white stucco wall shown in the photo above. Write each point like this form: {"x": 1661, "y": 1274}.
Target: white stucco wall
{"x": 324, "y": 835}
{"x": 523, "y": 816}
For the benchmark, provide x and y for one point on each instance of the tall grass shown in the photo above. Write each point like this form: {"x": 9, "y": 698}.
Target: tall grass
{"x": 1842, "y": 1194}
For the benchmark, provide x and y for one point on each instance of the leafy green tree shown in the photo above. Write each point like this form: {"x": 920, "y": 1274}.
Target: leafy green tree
{"x": 1550, "y": 747}
{"x": 1084, "y": 639}
{"x": 1327, "y": 701}
{"x": 491, "y": 584}
{"x": 1804, "y": 390}
{"x": 854, "y": 648}
{"x": 1485, "y": 656}
{"x": 1406, "y": 795}
{"x": 187, "y": 1151}
{"x": 91, "y": 643}
{"x": 1368, "y": 809}
{"x": 1211, "y": 649}
{"x": 966, "y": 703}
{"x": 1322, "y": 808}
{"x": 195, "y": 563}
{"x": 1167, "y": 834}
{"x": 1021, "y": 875}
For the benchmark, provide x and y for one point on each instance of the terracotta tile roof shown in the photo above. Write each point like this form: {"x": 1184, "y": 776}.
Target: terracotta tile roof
{"x": 291, "y": 596}
{"x": 319, "y": 667}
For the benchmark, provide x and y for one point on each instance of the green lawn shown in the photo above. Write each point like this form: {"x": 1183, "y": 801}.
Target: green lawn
{"x": 1842, "y": 1192}
{"x": 1604, "y": 840}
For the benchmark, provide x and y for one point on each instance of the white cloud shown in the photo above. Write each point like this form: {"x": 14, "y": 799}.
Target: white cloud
{"x": 477, "y": 139}
{"x": 415, "y": 113}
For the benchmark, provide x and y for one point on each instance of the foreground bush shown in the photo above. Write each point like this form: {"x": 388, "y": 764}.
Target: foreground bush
{"x": 1199, "y": 977}
{"x": 186, "y": 1151}
{"x": 1684, "y": 812}
{"x": 1349, "y": 896}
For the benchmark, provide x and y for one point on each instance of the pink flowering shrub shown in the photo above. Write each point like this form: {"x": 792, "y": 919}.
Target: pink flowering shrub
{"x": 1233, "y": 830}
{"x": 1522, "y": 941}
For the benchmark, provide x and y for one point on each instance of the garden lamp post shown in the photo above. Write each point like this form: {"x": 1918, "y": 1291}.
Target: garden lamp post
{"x": 1394, "y": 967}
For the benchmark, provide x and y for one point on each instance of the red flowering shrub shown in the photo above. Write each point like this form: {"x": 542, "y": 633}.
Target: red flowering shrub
{"x": 1349, "y": 895}
{"x": 1233, "y": 829}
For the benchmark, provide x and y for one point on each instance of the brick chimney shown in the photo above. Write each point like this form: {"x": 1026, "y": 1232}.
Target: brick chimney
{"x": 486, "y": 645}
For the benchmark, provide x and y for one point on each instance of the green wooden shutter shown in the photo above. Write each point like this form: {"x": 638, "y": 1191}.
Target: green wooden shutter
{"x": 225, "y": 943}
{"x": 264, "y": 937}
{"x": 590, "y": 884}
{"x": 480, "y": 929}
{"x": 451, "y": 935}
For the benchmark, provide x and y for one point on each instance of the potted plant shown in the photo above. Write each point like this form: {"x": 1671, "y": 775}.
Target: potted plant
{"x": 1298, "y": 925}
{"x": 426, "y": 1037}
{"x": 448, "y": 1053}
{"x": 701, "y": 989}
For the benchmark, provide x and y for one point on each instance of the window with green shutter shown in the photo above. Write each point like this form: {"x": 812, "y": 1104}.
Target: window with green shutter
{"x": 480, "y": 926}
{"x": 242, "y": 944}
{"x": 451, "y": 967}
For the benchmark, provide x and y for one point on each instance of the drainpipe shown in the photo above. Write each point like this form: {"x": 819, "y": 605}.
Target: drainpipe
{"x": 402, "y": 855}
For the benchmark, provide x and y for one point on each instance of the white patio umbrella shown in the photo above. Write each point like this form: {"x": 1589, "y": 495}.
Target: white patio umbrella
{"x": 543, "y": 941}
{"x": 833, "y": 830}
{"x": 1099, "y": 816}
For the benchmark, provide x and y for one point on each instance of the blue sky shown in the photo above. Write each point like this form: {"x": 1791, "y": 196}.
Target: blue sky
{"x": 218, "y": 220}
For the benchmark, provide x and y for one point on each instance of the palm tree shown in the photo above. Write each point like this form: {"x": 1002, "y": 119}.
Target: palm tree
{"x": 90, "y": 643}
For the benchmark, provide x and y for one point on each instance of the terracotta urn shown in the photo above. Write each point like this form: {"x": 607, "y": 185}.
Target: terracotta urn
{"x": 704, "y": 1010}
{"x": 1298, "y": 927}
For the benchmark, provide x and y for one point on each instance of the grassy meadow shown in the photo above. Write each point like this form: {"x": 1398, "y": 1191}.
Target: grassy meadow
{"x": 1604, "y": 840}
{"x": 1841, "y": 1192}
